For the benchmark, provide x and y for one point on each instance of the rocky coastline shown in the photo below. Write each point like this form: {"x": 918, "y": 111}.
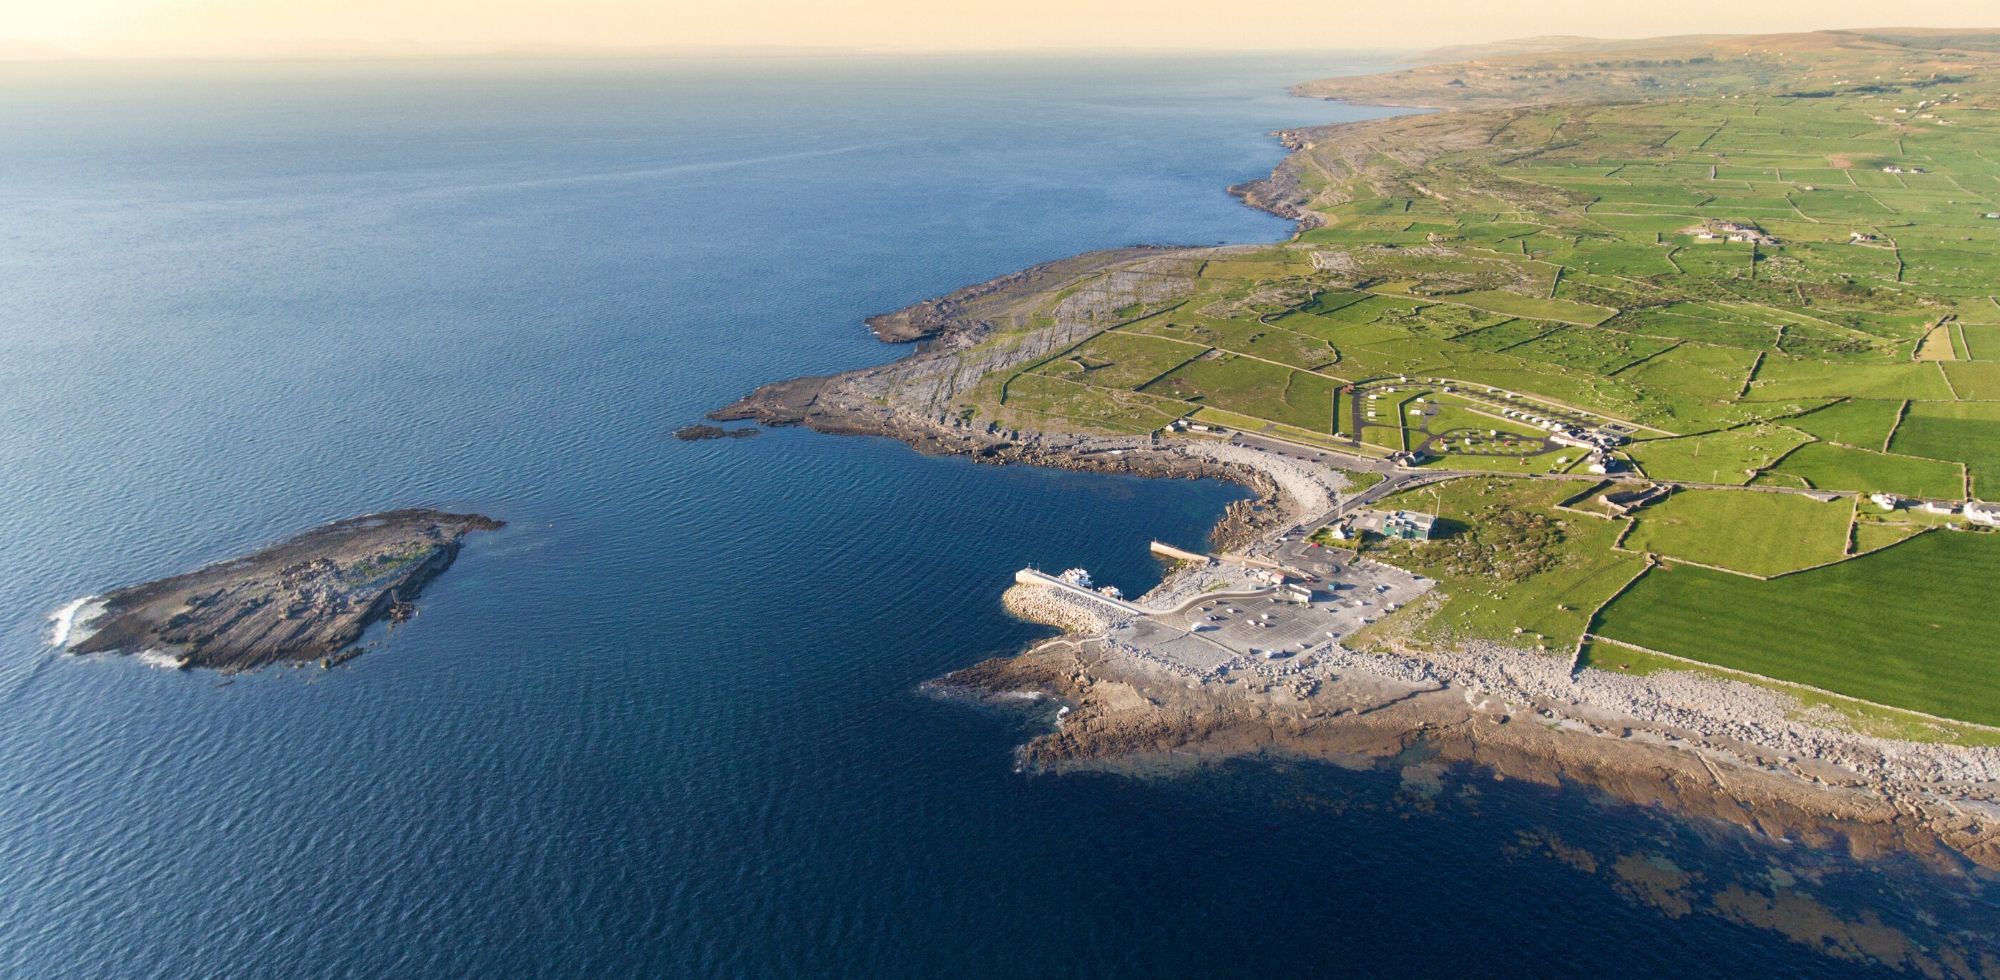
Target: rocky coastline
{"x": 1707, "y": 749}
{"x": 1700, "y": 745}
{"x": 306, "y": 599}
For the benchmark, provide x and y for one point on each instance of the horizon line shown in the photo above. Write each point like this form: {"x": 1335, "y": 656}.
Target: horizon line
{"x": 18, "y": 51}
{"x": 636, "y": 54}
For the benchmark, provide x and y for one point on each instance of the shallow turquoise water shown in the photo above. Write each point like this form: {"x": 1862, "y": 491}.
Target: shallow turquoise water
{"x": 667, "y": 722}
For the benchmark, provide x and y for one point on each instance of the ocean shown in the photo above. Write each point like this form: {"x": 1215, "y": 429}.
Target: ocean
{"x": 668, "y": 722}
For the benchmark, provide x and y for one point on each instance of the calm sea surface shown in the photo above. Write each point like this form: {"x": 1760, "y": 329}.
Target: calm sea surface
{"x": 667, "y": 723}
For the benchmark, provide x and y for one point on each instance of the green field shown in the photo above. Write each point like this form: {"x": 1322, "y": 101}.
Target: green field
{"x": 1825, "y": 466}
{"x": 1965, "y": 431}
{"x": 1855, "y": 422}
{"x": 1248, "y": 386}
{"x": 1744, "y": 530}
{"x": 1893, "y": 627}
{"x": 1120, "y": 360}
{"x": 1733, "y": 456}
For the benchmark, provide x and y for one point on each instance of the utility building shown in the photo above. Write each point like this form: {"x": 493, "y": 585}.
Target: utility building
{"x": 1409, "y": 526}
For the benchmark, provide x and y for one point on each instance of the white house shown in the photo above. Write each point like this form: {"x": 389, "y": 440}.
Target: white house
{"x": 1981, "y": 512}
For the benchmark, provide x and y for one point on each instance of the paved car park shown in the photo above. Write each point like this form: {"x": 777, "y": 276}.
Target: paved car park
{"x": 1207, "y": 634}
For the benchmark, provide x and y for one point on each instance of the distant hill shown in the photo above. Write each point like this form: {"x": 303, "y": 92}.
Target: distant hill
{"x": 1541, "y": 70}
{"x": 1550, "y": 44}
{"x": 1932, "y": 38}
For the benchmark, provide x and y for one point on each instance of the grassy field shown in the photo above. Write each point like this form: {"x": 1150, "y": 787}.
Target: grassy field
{"x": 1825, "y": 466}
{"x": 1965, "y": 431}
{"x": 1855, "y": 422}
{"x": 1248, "y": 386}
{"x": 1884, "y": 627}
{"x": 1732, "y": 456}
{"x": 1120, "y": 360}
{"x": 1744, "y": 530}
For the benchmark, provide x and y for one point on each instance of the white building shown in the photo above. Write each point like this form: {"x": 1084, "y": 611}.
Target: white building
{"x": 1980, "y": 512}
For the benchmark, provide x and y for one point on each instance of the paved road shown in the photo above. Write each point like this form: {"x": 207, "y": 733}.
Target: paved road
{"x": 1208, "y": 597}
{"x": 1396, "y": 479}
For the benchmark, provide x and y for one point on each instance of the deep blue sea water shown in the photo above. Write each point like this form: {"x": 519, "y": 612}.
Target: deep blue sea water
{"x": 667, "y": 723}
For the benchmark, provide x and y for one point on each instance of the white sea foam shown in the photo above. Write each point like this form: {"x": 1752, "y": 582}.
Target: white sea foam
{"x": 159, "y": 658}
{"x": 66, "y": 618}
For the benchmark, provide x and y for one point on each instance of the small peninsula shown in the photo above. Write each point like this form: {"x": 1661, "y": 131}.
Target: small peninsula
{"x": 304, "y": 599}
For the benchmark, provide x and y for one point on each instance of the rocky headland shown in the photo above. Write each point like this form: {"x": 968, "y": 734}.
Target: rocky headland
{"x": 306, "y": 599}
{"x": 1700, "y": 744}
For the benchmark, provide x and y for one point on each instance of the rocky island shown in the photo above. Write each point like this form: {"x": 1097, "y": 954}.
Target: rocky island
{"x": 305, "y": 599}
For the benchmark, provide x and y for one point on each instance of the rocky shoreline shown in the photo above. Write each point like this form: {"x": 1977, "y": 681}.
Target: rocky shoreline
{"x": 1783, "y": 779}
{"x": 306, "y": 599}
{"x": 1702, "y": 746}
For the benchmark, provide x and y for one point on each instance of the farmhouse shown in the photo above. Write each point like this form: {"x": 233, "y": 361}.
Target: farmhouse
{"x": 1736, "y": 232}
{"x": 1886, "y": 501}
{"x": 1980, "y": 512}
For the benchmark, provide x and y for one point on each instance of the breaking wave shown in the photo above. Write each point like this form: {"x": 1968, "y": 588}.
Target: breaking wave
{"x": 65, "y": 620}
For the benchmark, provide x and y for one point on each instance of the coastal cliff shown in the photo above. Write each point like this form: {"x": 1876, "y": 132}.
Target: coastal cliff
{"x": 307, "y": 598}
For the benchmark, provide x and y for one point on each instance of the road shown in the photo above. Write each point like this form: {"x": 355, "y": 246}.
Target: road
{"x": 1396, "y": 479}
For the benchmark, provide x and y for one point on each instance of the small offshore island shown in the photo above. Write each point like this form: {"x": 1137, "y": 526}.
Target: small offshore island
{"x": 1631, "y": 422}
{"x": 306, "y": 599}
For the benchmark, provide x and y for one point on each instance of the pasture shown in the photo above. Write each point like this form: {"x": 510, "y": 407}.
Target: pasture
{"x": 1747, "y": 531}
{"x": 1886, "y": 627}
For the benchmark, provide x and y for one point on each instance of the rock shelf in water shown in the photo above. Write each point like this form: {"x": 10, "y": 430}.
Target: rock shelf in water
{"x": 304, "y": 599}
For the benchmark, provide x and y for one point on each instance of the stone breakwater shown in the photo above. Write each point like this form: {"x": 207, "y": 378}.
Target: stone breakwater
{"x": 1057, "y": 608}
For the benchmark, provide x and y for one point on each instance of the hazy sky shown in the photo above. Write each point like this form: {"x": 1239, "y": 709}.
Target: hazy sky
{"x": 256, "y": 28}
